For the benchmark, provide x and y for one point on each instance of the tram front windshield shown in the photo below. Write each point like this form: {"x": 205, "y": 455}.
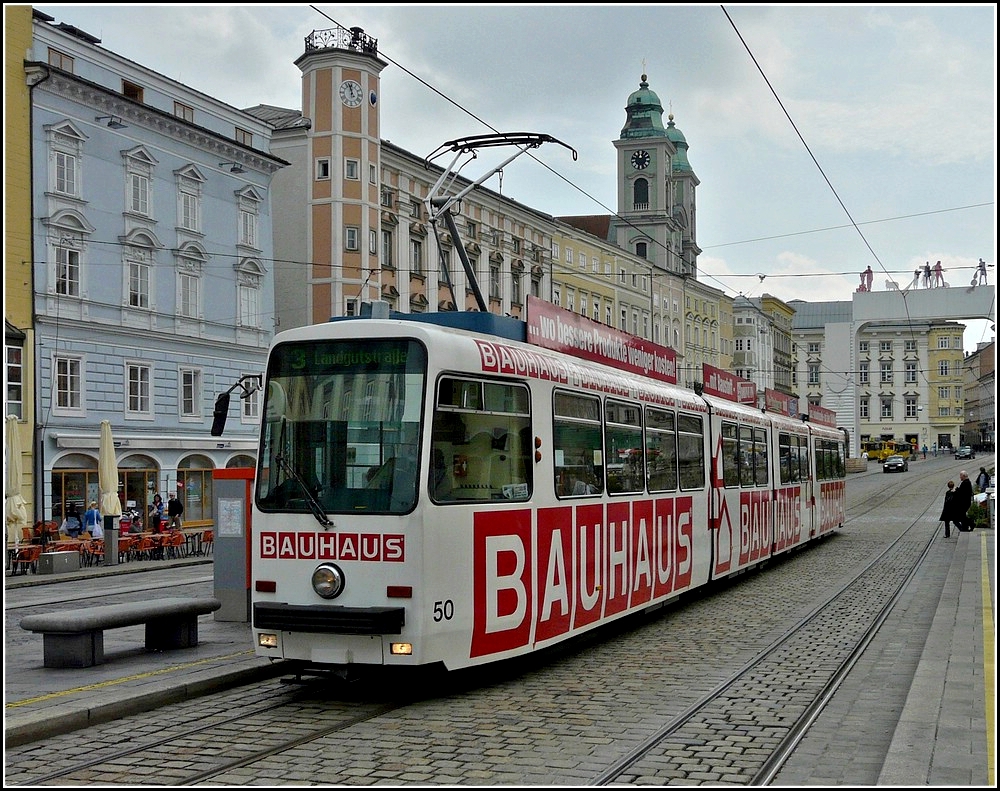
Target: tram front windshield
{"x": 341, "y": 431}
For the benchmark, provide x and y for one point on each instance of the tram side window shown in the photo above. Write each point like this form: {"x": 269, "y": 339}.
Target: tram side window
{"x": 746, "y": 456}
{"x": 661, "y": 451}
{"x": 730, "y": 455}
{"x": 623, "y": 447}
{"x": 691, "y": 452}
{"x": 578, "y": 459}
{"x": 822, "y": 459}
{"x": 760, "y": 474}
{"x": 480, "y": 441}
{"x": 794, "y": 465}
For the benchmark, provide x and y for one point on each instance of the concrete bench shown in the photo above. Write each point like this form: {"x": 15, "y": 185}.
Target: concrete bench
{"x": 75, "y": 638}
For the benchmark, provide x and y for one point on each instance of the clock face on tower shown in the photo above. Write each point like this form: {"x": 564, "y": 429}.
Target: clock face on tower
{"x": 640, "y": 160}
{"x": 351, "y": 93}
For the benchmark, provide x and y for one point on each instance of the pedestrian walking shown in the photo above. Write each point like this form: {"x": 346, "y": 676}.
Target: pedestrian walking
{"x": 925, "y": 450}
{"x": 948, "y": 510}
{"x": 174, "y": 510}
{"x": 962, "y": 503}
{"x": 92, "y": 521}
{"x": 156, "y": 513}
{"x": 982, "y": 480}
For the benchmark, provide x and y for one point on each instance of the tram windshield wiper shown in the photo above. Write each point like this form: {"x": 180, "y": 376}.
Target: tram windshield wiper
{"x": 295, "y": 475}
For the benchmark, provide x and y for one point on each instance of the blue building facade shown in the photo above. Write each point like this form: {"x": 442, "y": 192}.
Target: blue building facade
{"x": 152, "y": 274}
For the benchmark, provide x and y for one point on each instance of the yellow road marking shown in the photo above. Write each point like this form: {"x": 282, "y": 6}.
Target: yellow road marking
{"x": 137, "y": 677}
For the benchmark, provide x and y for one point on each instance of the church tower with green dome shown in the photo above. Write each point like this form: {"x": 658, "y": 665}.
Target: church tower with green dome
{"x": 656, "y": 187}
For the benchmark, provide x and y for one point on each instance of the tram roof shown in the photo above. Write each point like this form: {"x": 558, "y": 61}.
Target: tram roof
{"x": 471, "y": 321}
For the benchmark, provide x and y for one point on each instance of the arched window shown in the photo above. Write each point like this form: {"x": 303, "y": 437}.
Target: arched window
{"x": 640, "y": 249}
{"x": 194, "y": 488}
{"x": 640, "y": 194}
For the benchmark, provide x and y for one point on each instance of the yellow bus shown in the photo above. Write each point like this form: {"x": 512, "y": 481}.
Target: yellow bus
{"x": 881, "y": 449}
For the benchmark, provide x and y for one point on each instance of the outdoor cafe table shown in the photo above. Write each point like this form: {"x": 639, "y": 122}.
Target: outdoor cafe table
{"x": 192, "y": 538}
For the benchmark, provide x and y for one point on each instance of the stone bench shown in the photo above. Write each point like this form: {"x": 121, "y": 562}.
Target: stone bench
{"x": 75, "y": 638}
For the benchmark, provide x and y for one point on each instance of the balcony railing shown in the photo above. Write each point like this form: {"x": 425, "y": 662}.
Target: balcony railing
{"x": 342, "y": 38}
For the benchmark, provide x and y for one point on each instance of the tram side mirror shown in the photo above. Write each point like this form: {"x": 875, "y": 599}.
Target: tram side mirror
{"x": 219, "y": 414}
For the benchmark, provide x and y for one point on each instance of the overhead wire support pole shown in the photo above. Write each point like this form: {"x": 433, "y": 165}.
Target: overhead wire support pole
{"x": 439, "y": 204}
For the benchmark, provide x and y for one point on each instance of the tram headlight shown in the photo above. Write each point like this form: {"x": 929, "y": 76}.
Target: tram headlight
{"x": 328, "y": 581}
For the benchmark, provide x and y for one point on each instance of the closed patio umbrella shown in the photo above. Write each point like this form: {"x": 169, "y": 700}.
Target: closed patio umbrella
{"x": 111, "y": 506}
{"x": 15, "y": 511}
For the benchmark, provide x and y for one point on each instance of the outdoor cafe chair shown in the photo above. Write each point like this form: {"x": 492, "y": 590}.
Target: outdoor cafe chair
{"x": 207, "y": 542}
{"x": 27, "y": 557}
{"x": 127, "y": 546}
{"x": 174, "y": 545}
{"x": 93, "y": 551}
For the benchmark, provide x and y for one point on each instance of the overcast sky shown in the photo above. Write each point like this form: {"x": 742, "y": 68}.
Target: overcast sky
{"x": 826, "y": 138}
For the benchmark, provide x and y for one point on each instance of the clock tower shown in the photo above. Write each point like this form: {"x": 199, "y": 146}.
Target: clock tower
{"x": 339, "y": 170}
{"x": 655, "y": 187}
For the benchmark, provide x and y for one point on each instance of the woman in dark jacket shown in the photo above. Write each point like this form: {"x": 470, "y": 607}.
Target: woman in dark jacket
{"x": 947, "y": 512}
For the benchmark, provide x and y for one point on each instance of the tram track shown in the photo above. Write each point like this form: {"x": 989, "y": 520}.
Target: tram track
{"x": 326, "y": 731}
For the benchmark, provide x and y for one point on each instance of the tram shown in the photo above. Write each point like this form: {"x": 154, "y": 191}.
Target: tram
{"x": 459, "y": 488}
{"x": 882, "y": 449}
{"x": 436, "y": 489}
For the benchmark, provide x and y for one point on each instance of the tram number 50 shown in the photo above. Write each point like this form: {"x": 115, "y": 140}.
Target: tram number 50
{"x": 444, "y": 610}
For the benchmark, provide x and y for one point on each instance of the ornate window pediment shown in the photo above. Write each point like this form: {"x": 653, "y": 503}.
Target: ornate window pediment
{"x": 517, "y": 265}
{"x": 388, "y": 218}
{"x": 390, "y": 292}
{"x": 537, "y": 271}
{"x": 418, "y": 229}
{"x": 418, "y": 300}
{"x": 445, "y": 304}
{"x": 473, "y": 248}
{"x": 496, "y": 257}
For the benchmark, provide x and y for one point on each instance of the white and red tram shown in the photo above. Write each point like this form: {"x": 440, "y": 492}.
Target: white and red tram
{"x": 457, "y": 488}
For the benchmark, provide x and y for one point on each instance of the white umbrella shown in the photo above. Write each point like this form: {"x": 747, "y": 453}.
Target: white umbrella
{"x": 15, "y": 510}
{"x": 107, "y": 473}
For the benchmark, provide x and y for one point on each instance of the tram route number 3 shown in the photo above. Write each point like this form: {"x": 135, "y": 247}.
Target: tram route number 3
{"x": 444, "y": 610}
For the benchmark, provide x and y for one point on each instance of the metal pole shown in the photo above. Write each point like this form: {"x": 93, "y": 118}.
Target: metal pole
{"x": 110, "y": 540}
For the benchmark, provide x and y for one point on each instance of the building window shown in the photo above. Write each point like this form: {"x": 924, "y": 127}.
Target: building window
{"x": 138, "y": 280}
{"x": 132, "y": 91}
{"x": 415, "y": 209}
{"x": 372, "y": 174}
{"x": 909, "y": 346}
{"x": 569, "y": 255}
{"x": 885, "y": 346}
{"x": 243, "y": 137}
{"x": 623, "y": 319}
{"x": 322, "y": 168}
{"x": 944, "y": 342}
{"x": 863, "y": 346}
{"x": 14, "y": 405}
{"x": 622, "y": 276}
{"x": 248, "y": 228}
{"x": 249, "y": 306}
{"x": 885, "y": 372}
{"x": 863, "y": 373}
{"x": 69, "y": 384}
{"x": 137, "y": 389}
{"x": 943, "y": 368}
{"x": 641, "y": 249}
{"x": 190, "y": 210}
{"x": 944, "y": 411}
{"x": 910, "y": 372}
{"x": 944, "y": 392}
{"x": 67, "y": 272}
{"x": 190, "y": 296}
{"x": 351, "y": 167}
{"x": 864, "y": 409}
{"x": 416, "y": 257}
{"x": 60, "y": 60}
{"x": 813, "y": 347}
{"x": 386, "y": 198}
{"x": 494, "y": 281}
{"x": 471, "y": 229}
{"x": 351, "y": 238}
{"x": 597, "y": 309}
{"x": 571, "y": 300}
{"x": 515, "y": 288}
{"x": 911, "y": 407}
{"x": 607, "y": 314}
{"x": 557, "y": 295}
{"x": 138, "y": 194}
{"x": 958, "y": 393}
{"x": 250, "y": 410}
{"x": 886, "y": 408}
{"x": 190, "y": 392}
{"x": 65, "y": 173}
{"x": 387, "y": 260}
{"x": 372, "y": 242}
{"x": 184, "y": 111}
{"x": 813, "y": 374}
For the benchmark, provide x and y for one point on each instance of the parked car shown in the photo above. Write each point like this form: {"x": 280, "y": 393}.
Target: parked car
{"x": 965, "y": 452}
{"x": 895, "y": 464}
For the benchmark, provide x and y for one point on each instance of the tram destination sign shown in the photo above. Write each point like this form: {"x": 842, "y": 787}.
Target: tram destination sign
{"x": 552, "y": 327}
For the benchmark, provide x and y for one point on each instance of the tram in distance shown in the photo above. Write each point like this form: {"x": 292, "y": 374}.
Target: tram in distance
{"x": 456, "y": 489}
